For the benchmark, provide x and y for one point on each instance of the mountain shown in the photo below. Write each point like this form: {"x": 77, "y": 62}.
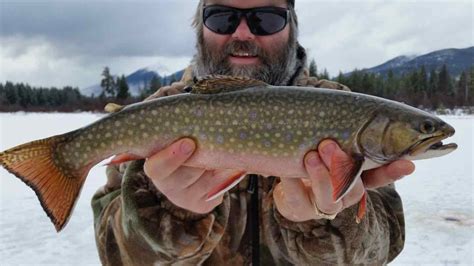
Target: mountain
{"x": 456, "y": 60}
{"x": 137, "y": 81}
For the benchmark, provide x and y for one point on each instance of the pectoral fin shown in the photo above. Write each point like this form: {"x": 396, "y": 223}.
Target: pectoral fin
{"x": 225, "y": 186}
{"x": 123, "y": 157}
{"x": 344, "y": 170}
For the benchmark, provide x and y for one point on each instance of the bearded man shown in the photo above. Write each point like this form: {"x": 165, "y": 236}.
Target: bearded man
{"x": 154, "y": 211}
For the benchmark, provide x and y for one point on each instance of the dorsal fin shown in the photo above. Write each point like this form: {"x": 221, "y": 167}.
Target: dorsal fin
{"x": 220, "y": 83}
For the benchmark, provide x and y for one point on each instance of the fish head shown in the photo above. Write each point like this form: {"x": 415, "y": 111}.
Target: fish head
{"x": 407, "y": 133}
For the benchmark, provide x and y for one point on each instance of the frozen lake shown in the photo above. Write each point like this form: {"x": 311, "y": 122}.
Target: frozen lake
{"x": 438, "y": 201}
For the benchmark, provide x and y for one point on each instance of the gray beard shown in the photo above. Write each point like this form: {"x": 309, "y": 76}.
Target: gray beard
{"x": 275, "y": 69}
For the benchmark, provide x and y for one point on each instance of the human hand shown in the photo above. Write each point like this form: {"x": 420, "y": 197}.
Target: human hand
{"x": 293, "y": 196}
{"x": 186, "y": 187}
{"x": 174, "y": 88}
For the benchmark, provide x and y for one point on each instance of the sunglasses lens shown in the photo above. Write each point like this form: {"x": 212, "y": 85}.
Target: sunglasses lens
{"x": 221, "y": 20}
{"x": 266, "y": 23}
{"x": 261, "y": 21}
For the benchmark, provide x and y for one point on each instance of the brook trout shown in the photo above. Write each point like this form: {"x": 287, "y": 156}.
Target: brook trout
{"x": 238, "y": 124}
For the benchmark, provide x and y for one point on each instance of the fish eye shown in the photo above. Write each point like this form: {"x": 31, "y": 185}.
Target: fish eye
{"x": 427, "y": 127}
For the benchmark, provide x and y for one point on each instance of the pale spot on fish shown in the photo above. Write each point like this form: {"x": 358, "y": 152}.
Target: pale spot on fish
{"x": 154, "y": 112}
{"x": 220, "y": 139}
{"x": 117, "y": 123}
{"x": 78, "y": 145}
{"x": 230, "y": 130}
{"x": 108, "y": 135}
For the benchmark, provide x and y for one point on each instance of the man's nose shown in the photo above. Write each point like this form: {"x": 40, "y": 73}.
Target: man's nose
{"x": 243, "y": 33}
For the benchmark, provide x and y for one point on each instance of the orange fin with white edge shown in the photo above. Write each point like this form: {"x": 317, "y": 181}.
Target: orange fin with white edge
{"x": 344, "y": 170}
{"x": 123, "y": 157}
{"x": 225, "y": 186}
{"x": 56, "y": 184}
{"x": 362, "y": 208}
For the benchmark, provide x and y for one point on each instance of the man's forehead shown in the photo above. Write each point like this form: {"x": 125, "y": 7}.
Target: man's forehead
{"x": 247, "y": 3}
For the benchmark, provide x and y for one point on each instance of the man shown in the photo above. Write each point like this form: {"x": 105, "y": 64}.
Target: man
{"x": 155, "y": 212}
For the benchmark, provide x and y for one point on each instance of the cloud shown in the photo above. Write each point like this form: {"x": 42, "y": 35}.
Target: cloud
{"x": 343, "y": 35}
{"x": 69, "y": 42}
{"x": 104, "y": 28}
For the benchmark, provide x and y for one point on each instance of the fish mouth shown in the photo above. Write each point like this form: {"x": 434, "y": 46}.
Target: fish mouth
{"x": 431, "y": 147}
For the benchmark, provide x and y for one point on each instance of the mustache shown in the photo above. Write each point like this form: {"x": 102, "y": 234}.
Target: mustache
{"x": 243, "y": 47}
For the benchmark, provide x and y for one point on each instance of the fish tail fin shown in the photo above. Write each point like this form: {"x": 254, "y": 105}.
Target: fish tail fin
{"x": 56, "y": 183}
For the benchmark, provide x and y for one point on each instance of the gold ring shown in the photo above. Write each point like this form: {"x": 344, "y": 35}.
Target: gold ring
{"x": 318, "y": 212}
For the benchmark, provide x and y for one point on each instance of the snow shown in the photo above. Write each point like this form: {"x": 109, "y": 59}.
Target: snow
{"x": 438, "y": 202}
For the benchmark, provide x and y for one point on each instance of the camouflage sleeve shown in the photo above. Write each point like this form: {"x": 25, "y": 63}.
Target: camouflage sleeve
{"x": 136, "y": 225}
{"x": 377, "y": 240}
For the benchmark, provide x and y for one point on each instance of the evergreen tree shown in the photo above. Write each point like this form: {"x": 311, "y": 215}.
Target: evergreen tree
{"x": 123, "y": 90}
{"x": 313, "y": 69}
{"x": 324, "y": 75}
{"x": 444, "y": 81}
{"x": 423, "y": 79}
{"x": 341, "y": 78}
{"x": 432, "y": 83}
{"x": 155, "y": 84}
{"x": 391, "y": 85}
{"x": 462, "y": 88}
{"x": 108, "y": 83}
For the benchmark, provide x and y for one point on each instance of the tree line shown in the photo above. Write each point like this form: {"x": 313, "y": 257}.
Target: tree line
{"x": 421, "y": 88}
{"x": 433, "y": 89}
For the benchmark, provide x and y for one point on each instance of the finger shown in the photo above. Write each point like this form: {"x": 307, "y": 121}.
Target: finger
{"x": 326, "y": 150}
{"x": 295, "y": 193}
{"x": 387, "y": 174}
{"x": 354, "y": 195}
{"x": 321, "y": 184}
{"x": 181, "y": 178}
{"x": 166, "y": 161}
{"x": 292, "y": 200}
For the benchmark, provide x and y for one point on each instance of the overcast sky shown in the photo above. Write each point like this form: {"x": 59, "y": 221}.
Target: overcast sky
{"x": 58, "y": 43}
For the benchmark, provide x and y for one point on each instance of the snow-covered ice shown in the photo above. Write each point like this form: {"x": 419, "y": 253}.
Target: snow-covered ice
{"x": 438, "y": 202}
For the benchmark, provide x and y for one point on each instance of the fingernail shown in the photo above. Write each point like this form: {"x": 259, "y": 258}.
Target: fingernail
{"x": 328, "y": 148}
{"x": 186, "y": 147}
{"x": 312, "y": 159}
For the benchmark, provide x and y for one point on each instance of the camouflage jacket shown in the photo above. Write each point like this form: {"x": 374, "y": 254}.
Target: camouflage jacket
{"x": 136, "y": 225}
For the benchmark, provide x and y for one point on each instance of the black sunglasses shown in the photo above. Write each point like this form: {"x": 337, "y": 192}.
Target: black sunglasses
{"x": 261, "y": 20}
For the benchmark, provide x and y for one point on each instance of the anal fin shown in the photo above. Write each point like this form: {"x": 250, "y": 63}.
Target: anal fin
{"x": 344, "y": 170}
{"x": 362, "y": 208}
